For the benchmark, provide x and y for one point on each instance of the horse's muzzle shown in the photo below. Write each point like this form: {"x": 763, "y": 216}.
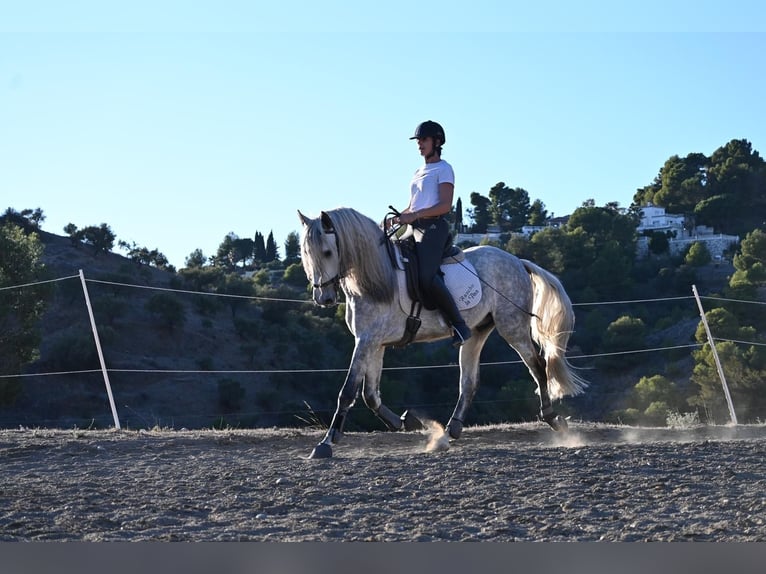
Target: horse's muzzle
{"x": 326, "y": 294}
{"x": 325, "y": 299}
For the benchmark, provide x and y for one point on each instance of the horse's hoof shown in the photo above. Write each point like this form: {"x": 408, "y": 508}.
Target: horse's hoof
{"x": 454, "y": 428}
{"x": 558, "y": 423}
{"x": 322, "y": 450}
{"x": 410, "y": 422}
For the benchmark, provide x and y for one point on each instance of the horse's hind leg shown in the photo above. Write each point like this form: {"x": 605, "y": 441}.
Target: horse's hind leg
{"x": 535, "y": 362}
{"x": 470, "y": 352}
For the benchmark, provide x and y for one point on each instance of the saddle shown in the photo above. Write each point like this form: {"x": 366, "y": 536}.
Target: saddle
{"x": 404, "y": 258}
{"x": 403, "y": 254}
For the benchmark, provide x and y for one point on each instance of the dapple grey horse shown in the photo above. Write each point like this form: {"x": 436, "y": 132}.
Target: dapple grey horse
{"x": 343, "y": 249}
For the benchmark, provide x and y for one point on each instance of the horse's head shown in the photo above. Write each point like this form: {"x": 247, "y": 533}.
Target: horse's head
{"x": 321, "y": 259}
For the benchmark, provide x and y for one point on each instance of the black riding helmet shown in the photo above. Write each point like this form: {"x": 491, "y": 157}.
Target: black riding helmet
{"x": 430, "y": 129}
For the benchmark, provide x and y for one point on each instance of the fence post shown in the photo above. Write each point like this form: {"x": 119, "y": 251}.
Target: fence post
{"x": 715, "y": 356}
{"x": 100, "y": 353}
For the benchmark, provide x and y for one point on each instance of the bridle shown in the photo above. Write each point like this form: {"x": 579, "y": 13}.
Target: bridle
{"x": 334, "y": 281}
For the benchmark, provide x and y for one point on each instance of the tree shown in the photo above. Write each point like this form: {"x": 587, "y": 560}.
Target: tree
{"x": 679, "y": 186}
{"x": 458, "y": 227}
{"x": 509, "y": 208}
{"x": 242, "y": 251}
{"x": 239, "y": 289}
{"x": 168, "y": 309}
{"x": 480, "y": 213}
{"x": 716, "y": 211}
{"x": 71, "y": 230}
{"x": 751, "y": 260}
{"x": 624, "y": 334}
{"x": 744, "y": 370}
{"x": 100, "y": 238}
{"x": 538, "y": 215}
{"x": 743, "y": 365}
{"x": 737, "y": 174}
{"x": 604, "y": 224}
{"x": 224, "y": 257}
{"x": 597, "y": 250}
{"x": 144, "y": 256}
{"x": 658, "y": 243}
{"x": 272, "y": 253}
{"x": 259, "y": 249}
{"x": 652, "y": 399}
{"x": 20, "y": 309}
{"x": 28, "y": 219}
{"x": 750, "y": 276}
{"x": 292, "y": 249}
{"x": 549, "y": 248}
{"x": 195, "y": 259}
{"x": 698, "y": 255}
{"x": 295, "y": 276}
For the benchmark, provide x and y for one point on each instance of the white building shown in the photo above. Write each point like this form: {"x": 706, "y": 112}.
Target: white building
{"x": 654, "y": 218}
{"x": 680, "y": 235}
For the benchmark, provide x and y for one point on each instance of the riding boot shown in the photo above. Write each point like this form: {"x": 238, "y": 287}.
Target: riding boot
{"x": 443, "y": 299}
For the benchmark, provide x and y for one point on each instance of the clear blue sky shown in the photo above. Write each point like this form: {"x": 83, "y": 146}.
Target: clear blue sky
{"x": 178, "y": 122}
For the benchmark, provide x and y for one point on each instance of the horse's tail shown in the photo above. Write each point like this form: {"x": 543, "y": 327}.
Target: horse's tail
{"x": 551, "y": 328}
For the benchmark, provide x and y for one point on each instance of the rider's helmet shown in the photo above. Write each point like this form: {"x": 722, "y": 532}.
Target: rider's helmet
{"x": 430, "y": 129}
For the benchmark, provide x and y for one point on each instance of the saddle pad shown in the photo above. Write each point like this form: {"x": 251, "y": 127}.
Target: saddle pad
{"x": 463, "y": 283}
{"x": 460, "y": 279}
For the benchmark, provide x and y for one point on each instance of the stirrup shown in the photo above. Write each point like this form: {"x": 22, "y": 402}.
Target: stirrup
{"x": 460, "y": 335}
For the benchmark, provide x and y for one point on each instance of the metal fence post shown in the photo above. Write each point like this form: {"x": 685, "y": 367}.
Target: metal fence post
{"x": 715, "y": 357}
{"x": 100, "y": 352}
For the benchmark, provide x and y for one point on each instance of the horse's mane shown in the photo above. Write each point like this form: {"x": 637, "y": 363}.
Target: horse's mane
{"x": 363, "y": 257}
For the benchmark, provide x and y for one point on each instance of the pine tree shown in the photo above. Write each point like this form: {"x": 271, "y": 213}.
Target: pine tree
{"x": 272, "y": 253}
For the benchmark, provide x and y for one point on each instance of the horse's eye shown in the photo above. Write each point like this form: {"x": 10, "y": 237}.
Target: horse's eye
{"x": 327, "y": 253}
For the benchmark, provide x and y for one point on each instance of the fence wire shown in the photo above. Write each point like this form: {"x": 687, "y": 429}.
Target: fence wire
{"x": 345, "y": 369}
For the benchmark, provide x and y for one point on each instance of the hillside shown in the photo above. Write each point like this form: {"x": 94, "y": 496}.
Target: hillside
{"x": 248, "y": 363}
{"x": 210, "y": 340}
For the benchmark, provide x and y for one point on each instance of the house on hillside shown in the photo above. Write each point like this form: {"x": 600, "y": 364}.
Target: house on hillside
{"x": 681, "y": 233}
{"x": 654, "y": 218}
{"x": 680, "y": 230}
{"x": 493, "y": 231}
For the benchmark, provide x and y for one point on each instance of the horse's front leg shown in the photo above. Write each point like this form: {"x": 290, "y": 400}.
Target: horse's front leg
{"x": 358, "y": 369}
{"x": 346, "y": 399}
{"x": 371, "y": 396}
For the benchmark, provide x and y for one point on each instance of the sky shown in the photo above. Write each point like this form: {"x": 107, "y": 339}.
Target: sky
{"x": 176, "y": 123}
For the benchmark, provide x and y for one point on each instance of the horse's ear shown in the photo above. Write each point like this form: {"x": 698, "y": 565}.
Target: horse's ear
{"x": 326, "y": 222}
{"x": 304, "y": 220}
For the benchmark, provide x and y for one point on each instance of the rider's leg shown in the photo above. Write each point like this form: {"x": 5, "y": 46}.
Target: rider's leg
{"x": 443, "y": 298}
{"x": 431, "y": 237}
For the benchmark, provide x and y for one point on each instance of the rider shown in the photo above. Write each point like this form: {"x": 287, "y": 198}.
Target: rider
{"x": 431, "y": 192}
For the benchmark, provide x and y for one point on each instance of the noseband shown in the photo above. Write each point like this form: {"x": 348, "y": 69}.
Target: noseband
{"x": 335, "y": 281}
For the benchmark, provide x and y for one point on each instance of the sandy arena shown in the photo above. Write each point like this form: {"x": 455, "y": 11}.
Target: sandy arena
{"x": 498, "y": 483}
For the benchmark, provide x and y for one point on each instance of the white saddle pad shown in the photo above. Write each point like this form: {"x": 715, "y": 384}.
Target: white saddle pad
{"x": 460, "y": 278}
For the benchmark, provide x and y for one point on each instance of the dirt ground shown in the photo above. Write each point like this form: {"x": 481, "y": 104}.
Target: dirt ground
{"x": 499, "y": 483}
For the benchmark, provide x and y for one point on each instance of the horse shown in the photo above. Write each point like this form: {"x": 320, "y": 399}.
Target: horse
{"x": 345, "y": 250}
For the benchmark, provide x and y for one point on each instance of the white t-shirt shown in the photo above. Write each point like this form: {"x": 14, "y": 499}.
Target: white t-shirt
{"x": 424, "y": 189}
